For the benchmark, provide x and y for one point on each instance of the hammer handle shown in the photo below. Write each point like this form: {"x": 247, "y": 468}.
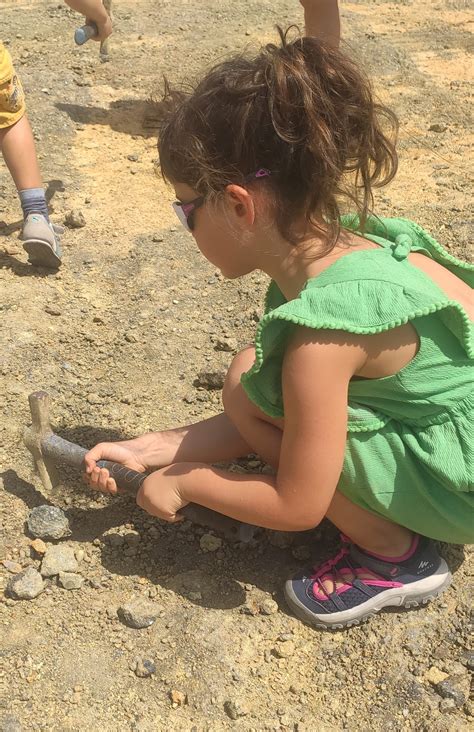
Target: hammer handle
{"x": 85, "y": 33}
{"x": 61, "y": 450}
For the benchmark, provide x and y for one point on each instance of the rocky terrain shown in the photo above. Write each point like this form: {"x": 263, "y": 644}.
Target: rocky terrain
{"x": 118, "y": 337}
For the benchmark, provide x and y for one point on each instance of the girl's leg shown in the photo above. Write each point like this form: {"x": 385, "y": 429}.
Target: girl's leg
{"x": 261, "y": 432}
{"x": 321, "y": 19}
{"x": 369, "y": 531}
{"x": 18, "y": 149}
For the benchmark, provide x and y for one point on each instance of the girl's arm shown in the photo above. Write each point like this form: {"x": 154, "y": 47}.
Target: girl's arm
{"x": 321, "y": 18}
{"x": 316, "y": 372}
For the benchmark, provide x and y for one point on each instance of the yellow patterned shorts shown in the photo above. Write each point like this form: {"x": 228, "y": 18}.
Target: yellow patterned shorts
{"x": 12, "y": 98}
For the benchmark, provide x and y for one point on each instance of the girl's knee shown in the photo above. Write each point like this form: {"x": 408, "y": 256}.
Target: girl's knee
{"x": 233, "y": 394}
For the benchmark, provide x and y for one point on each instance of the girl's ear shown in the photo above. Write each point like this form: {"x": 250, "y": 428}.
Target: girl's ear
{"x": 240, "y": 204}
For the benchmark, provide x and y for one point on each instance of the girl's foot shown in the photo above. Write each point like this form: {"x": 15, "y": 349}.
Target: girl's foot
{"x": 355, "y": 584}
{"x": 41, "y": 241}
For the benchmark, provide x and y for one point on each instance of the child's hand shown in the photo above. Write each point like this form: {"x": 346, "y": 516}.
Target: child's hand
{"x": 160, "y": 495}
{"x": 94, "y": 12}
{"x": 104, "y": 28}
{"x": 126, "y": 452}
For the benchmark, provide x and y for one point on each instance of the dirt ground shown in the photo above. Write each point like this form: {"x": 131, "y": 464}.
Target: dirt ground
{"x": 118, "y": 336}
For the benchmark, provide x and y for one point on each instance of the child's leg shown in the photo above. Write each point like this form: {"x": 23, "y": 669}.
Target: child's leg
{"x": 383, "y": 565}
{"x": 321, "y": 19}
{"x": 18, "y": 149}
{"x": 369, "y": 531}
{"x": 260, "y": 431}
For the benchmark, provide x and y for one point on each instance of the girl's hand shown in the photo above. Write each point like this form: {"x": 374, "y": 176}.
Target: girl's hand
{"x": 104, "y": 28}
{"x": 127, "y": 453}
{"x": 160, "y": 496}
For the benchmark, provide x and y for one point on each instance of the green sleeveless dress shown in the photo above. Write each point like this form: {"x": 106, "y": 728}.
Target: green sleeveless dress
{"x": 409, "y": 453}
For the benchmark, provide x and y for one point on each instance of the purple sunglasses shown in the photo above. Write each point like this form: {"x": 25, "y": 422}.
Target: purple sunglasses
{"x": 185, "y": 211}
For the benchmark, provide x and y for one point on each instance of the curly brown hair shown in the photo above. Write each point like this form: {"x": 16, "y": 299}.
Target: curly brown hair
{"x": 301, "y": 109}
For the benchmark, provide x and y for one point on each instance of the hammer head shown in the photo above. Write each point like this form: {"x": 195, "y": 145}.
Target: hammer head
{"x": 35, "y": 434}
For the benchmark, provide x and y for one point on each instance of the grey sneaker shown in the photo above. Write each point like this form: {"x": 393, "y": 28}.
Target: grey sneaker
{"x": 41, "y": 241}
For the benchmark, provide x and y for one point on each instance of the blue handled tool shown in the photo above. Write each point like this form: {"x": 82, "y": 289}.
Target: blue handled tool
{"x": 85, "y": 33}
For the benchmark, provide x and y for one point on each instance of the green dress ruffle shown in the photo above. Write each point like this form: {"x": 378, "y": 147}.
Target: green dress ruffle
{"x": 409, "y": 453}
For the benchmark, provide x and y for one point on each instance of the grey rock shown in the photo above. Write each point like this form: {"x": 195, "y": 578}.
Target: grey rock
{"x": 269, "y": 607}
{"x": 211, "y": 379}
{"x": 468, "y": 659}
{"x": 48, "y": 522}
{"x": 226, "y": 344}
{"x": 75, "y": 219}
{"x": 58, "y": 559}
{"x": 438, "y": 127}
{"x": 10, "y": 566}
{"x": 455, "y": 688}
{"x": 26, "y": 585}
{"x": 210, "y": 543}
{"x": 447, "y": 705}
{"x": 145, "y": 668}
{"x": 234, "y": 710}
{"x": 285, "y": 649}
{"x": 52, "y": 310}
{"x": 139, "y": 613}
{"x": 70, "y": 581}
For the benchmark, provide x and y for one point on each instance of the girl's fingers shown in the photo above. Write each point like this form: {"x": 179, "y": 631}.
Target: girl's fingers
{"x": 103, "y": 478}
{"x": 99, "y": 479}
{"x": 112, "y": 486}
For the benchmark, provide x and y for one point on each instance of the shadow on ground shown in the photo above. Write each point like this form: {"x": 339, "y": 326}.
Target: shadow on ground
{"x": 129, "y": 116}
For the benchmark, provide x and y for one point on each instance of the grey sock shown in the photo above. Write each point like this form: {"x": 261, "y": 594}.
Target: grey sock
{"x": 33, "y": 200}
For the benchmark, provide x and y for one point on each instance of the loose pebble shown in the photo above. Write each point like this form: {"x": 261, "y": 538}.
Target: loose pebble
{"x": 58, "y": 558}
{"x": 438, "y": 127}
{"x": 144, "y": 668}
{"x": 455, "y": 688}
{"x": 26, "y": 585}
{"x": 234, "y": 709}
{"x": 12, "y": 567}
{"x": 434, "y": 675}
{"x": 139, "y": 613}
{"x": 226, "y": 344}
{"x": 285, "y": 649}
{"x": 70, "y": 581}
{"x": 178, "y": 698}
{"x": 210, "y": 543}
{"x": 268, "y": 607}
{"x": 38, "y": 546}
{"x": 211, "y": 379}
{"x": 75, "y": 219}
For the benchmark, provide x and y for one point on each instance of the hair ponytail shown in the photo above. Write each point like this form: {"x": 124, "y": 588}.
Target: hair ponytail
{"x": 301, "y": 109}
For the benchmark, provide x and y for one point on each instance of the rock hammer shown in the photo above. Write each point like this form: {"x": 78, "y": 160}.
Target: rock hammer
{"x": 49, "y": 449}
